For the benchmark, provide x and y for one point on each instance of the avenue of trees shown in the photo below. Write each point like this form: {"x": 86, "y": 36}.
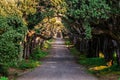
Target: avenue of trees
{"x": 24, "y": 24}
{"x": 92, "y": 25}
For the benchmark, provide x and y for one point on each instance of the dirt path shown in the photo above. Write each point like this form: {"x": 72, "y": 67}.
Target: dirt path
{"x": 59, "y": 65}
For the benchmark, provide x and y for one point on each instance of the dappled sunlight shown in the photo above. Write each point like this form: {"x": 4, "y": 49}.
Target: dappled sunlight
{"x": 101, "y": 55}
{"x": 97, "y": 68}
{"x": 110, "y": 63}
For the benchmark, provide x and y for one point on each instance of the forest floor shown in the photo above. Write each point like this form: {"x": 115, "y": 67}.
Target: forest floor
{"x": 58, "y": 65}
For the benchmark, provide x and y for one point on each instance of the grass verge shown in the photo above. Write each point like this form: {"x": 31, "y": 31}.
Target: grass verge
{"x": 3, "y": 78}
{"x": 12, "y": 70}
{"x": 97, "y": 66}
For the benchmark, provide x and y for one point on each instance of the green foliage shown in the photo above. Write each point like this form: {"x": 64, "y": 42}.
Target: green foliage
{"x": 48, "y": 13}
{"x": 119, "y": 79}
{"x": 50, "y": 40}
{"x": 38, "y": 54}
{"x": 17, "y": 23}
{"x": 87, "y": 12}
{"x": 74, "y": 51}
{"x": 3, "y": 78}
{"x": 113, "y": 68}
{"x": 59, "y": 6}
{"x": 12, "y": 31}
{"x": 28, "y": 64}
{"x": 77, "y": 54}
{"x": 88, "y": 30}
{"x": 67, "y": 42}
{"x": 3, "y": 69}
{"x": 114, "y": 5}
{"x": 34, "y": 19}
{"x": 3, "y": 24}
{"x": 8, "y": 52}
{"x": 91, "y": 62}
{"x": 27, "y": 7}
{"x": 47, "y": 44}
{"x": 9, "y": 7}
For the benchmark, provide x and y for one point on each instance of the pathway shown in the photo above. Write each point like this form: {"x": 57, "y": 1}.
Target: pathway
{"x": 59, "y": 65}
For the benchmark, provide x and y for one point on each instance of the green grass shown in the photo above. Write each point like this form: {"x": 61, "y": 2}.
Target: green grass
{"x": 119, "y": 79}
{"x": 3, "y": 78}
{"x": 95, "y": 62}
{"x": 115, "y": 69}
{"x": 76, "y": 53}
{"x": 31, "y": 63}
{"x": 91, "y": 62}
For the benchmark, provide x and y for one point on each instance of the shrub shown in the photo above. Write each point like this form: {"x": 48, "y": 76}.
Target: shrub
{"x": 74, "y": 51}
{"x": 67, "y": 42}
{"x": 119, "y": 79}
{"x": 46, "y": 45}
{"x": 8, "y": 52}
{"x": 28, "y": 64}
{"x": 12, "y": 30}
{"x": 38, "y": 54}
{"x": 3, "y": 69}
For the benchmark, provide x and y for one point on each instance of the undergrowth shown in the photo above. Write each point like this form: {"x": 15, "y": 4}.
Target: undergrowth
{"x": 95, "y": 62}
{"x": 38, "y": 54}
{"x": 28, "y": 64}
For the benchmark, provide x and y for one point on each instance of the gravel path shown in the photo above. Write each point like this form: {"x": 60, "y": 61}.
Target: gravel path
{"x": 59, "y": 65}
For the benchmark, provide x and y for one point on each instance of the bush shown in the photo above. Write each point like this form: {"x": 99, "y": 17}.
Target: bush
{"x": 28, "y": 64}
{"x": 46, "y": 45}
{"x": 74, "y": 51}
{"x": 8, "y": 52}
{"x": 3, "y": 69}
{"x": 67, "y": 42}
{"x": 3, "y": 78}
{"x": 38, "y": 54}
{"x": 119, "y": 79}
{"x": 77, "y": 54}
{"x": 12, "y": 31}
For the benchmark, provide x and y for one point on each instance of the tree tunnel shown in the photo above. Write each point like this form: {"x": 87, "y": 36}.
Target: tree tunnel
{"x": 93, "y": 26}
